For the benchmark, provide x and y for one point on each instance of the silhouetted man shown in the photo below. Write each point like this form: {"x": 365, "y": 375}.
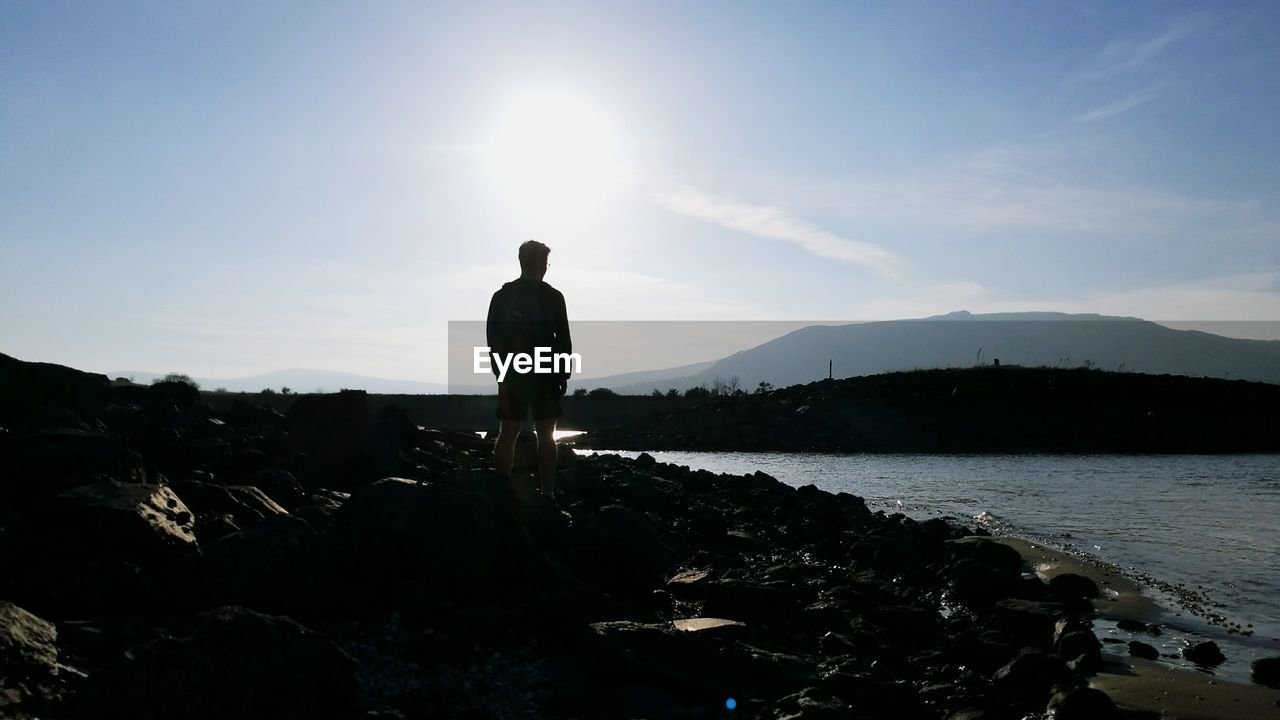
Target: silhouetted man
{"x": 524, "y": 315}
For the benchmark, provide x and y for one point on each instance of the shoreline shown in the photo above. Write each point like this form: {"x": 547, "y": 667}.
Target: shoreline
{"x": 1148, "y": 685}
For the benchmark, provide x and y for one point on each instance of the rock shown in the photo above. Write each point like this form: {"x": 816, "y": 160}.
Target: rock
{"x": 90, "y": 644}
{"x": 1070, "y": 586}
{"x": 617, "y": 548}
{"x": 1083, "y": 703}
{"x": 630, "y": 652}
{"x": 748, "y": 670}
{"x": 334, "y": 430}
{"x": 280, "y": 564}
{"x": 994, "y": 555}
{"x": 1204, "y": 653}
{"x": 245, "y": 504}
{"x": 39, "y": 465}
{"x": 709, "y": 521}
{"x": 1142, "y": 650}
{"x": 26, "y": 640}
{"x": 108, "y": 546}
{"x": 689, "y": 583}
{"x": 810, "y": 704}
{"x": 1031, "y": 673}
{"x": 1081, "y": 650}
{"x": 890, "y": 698}
{"x": 1266, "y": 671}
{"x": 180, "y": 395}
{"x": 280, "y": 485}
{"x": 908, "y": 625}
{"x": 398, "y": 534}
{"x": 25, "y": 386}
{"x": 150, "y": 518}
{"x": 234, "y": 663}
{"x": 1137, "y": 626}
{"x": 30, "y": 683}
{"x": 719, "y": 628}
{"x": 751, "y": 602}
{"x": 822, "y": 617}
{"x": 644, "y": 461}
{"x": 979, "y": 584}
{"x": 244, "y": 414}
{"x": 743, "y": 542}
{"x": 126, "y": 420}
{"x": 1032, "y": 622}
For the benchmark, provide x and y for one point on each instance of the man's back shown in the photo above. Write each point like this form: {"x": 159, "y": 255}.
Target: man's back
{"x": 526, "y": 314}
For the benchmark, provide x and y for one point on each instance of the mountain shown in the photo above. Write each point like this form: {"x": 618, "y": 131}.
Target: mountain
{"x": 301, "y": 380}
{"x": 962, "y": 339}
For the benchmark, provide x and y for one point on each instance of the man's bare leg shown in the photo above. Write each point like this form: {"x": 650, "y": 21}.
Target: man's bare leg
{"x": 504, "y": 448}
{"x": 546, "y": 430}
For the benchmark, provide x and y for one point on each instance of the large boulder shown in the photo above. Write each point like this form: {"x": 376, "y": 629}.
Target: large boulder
{"x": 278, "y": 565}
{"x": 752, "y": 602}
{"x": 618, "y": 548}
{"x": 398, "y": 534}
{"x": 233, "y": 663}
{"x": 151, "y": 519}
{"x": 335, "y": 431}
{"x": 105, "y": 546}
{"x": 1032, "y": 673}
{"x": 26, "y": 386}
{"x": 1266, "y": 671}
{"x": 35, "y": 466}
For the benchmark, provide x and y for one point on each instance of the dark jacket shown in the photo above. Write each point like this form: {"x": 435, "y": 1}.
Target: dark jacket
{"x": 524, "y": 315}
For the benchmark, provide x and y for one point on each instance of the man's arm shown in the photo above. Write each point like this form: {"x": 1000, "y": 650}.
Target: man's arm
{"x": 493, "y": 331}
{"x": 564, "y": 343}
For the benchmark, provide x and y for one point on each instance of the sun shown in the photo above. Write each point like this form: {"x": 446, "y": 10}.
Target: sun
{"x": 553, "y": 156}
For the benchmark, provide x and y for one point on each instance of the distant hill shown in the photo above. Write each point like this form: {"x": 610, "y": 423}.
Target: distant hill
{"x": 962, "y": 339}
{"x": 300, "y": 380}
{"x": 959, "y": 339}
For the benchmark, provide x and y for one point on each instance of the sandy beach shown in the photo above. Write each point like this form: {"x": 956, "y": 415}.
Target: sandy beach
{"x": 1147, "y": 685}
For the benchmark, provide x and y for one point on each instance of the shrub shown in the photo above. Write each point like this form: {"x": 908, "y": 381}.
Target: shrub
{"x": 177, "y": 377}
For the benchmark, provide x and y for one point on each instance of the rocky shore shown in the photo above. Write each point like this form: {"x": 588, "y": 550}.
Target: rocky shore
{"x": 162, "y": 559}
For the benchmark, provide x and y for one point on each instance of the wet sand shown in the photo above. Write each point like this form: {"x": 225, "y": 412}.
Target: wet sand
{"x": 1148, "y": 685}
{"x": 1121, "y": 598}
{"x": 1183, "y": 695}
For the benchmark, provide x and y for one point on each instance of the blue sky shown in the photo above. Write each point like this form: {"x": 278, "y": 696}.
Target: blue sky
{"x": 227, "y": 188}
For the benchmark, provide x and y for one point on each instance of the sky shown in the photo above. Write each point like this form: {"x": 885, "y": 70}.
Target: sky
{"x": 228, "y": 188}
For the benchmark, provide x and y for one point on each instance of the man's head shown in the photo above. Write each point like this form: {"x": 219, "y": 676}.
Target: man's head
{"x": 533, "y": 259}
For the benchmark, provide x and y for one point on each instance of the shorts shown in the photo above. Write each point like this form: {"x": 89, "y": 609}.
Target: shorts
{"x": 540, "y": 394}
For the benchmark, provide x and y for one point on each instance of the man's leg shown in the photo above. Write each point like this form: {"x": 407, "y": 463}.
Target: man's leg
{"x": 504, "y": 449}
{"x": 546, "y": 430}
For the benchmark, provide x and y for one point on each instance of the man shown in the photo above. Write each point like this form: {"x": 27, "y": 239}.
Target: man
{"x": 526, "y": 314}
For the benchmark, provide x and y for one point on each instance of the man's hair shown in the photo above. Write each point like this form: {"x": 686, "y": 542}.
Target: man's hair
{"x": 533, "y": 254}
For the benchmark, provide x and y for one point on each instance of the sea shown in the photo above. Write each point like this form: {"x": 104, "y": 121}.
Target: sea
{"x": 1200, "y": 533}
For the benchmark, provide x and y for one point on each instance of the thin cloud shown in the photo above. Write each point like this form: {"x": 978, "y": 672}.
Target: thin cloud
{"x": 774, "y": 223}
{"x": 1012, "y": 188}
{"x": 1126, "y": 56}
{"x": 1244, "y": 297}
{"x": 1142, "y": 97}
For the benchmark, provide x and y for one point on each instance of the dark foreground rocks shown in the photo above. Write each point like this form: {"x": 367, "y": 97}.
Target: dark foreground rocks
{"x": 162, "y": 559}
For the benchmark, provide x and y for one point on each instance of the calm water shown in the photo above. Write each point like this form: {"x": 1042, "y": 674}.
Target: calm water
{"x": 1210, "y": 523}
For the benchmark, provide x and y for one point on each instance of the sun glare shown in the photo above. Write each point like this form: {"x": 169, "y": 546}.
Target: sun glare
{"x": 554, "y": 156}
